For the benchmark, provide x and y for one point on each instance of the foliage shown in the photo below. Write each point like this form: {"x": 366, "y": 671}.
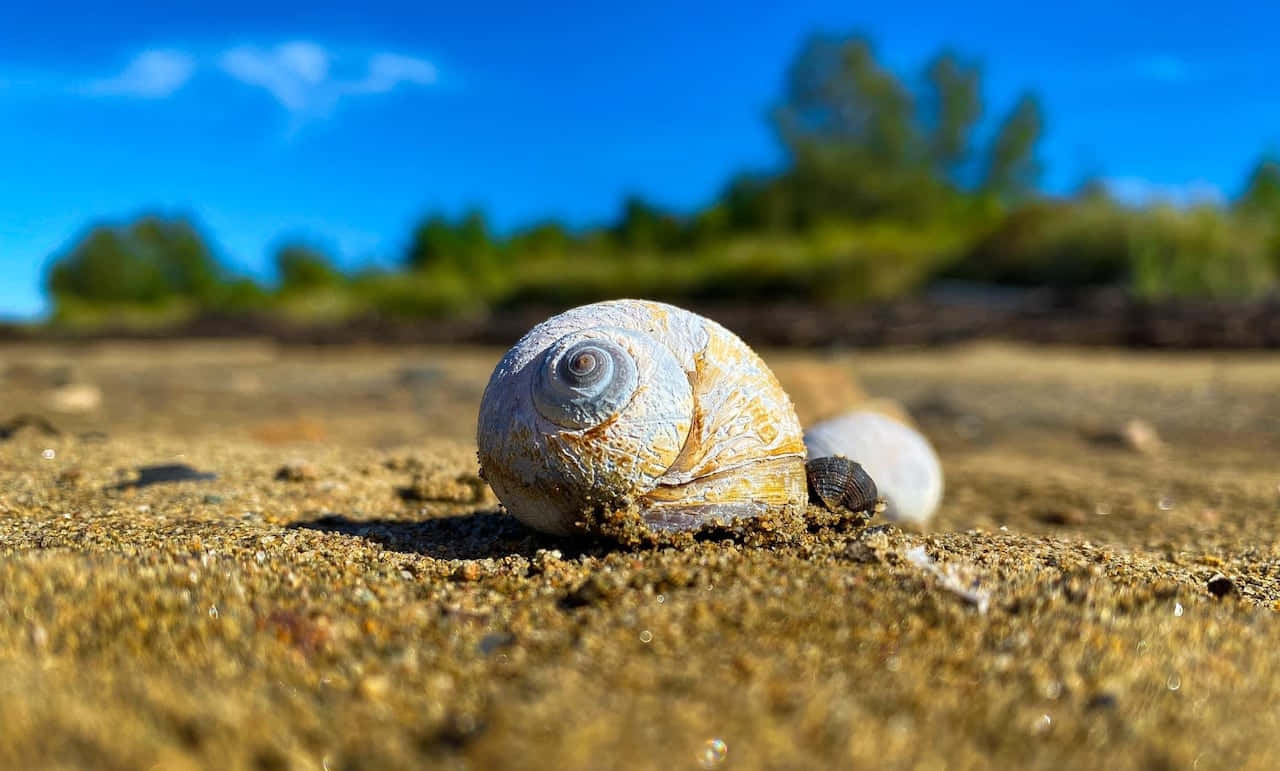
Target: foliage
{"x": 1012, "y": 170}
{"x": 304, "y": 268}
{"x": 1201, "y": 252}
{"x": 1056, "y": 244}
{"x": 887, "y": 185}
{"x": 951, "y": 107}
{"x": 1261, "y": 196}
{"x": 439, "y": 241}
{"x": 149, "y": 262}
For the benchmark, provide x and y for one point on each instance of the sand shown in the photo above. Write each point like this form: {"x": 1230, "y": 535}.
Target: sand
{"x": 344, "y": 594}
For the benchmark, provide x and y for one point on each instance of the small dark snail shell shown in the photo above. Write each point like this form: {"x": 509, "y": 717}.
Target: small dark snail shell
{"x": 836, "y": 483}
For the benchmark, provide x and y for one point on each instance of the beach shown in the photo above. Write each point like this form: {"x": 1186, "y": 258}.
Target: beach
{"x": 253, "y": 555}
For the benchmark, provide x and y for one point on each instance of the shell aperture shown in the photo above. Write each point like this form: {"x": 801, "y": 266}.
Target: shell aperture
{"x": 637, "y": 404}
{"x": 584, "y": 380}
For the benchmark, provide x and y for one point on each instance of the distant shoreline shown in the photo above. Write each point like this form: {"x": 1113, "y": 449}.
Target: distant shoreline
{"x": 951, "y": 314}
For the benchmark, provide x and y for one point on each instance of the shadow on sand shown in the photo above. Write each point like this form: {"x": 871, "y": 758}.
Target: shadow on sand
{"x": 479, "y": 535}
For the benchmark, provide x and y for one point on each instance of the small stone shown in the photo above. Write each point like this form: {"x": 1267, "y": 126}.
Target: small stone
{"x": 75, "y": 397}
{"x": 445, "y": 488}
{"x": 468, "y": 571}
{"x": 1136, "y": 435}
{"x": 10, "y": 427}
{"x": 860, "y": 551}
{"x": 547, "y": 562}
{"x": 374, "y": 687}
{"x": 1220, "y": 586}
{"x": 70, "y": 477}
{"x": 597, "y": 589}
{"x": 1062, "y": 516}
{"x": 1141, "y": 436}
{"x": 492, "y": 642}
{"x": 165, "y": 474}
{"x": 297, "y": 471}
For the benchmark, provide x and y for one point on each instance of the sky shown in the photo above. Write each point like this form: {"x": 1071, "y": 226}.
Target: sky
{"x": 342, "y": 124}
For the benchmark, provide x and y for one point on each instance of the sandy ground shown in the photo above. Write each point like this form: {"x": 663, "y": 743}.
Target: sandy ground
{"x": 335, "y": 590}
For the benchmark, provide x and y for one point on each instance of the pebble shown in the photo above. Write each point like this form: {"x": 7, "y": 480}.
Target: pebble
{"x": 1141, "y": 436}
{"x": 468, "y": 571}
{"x": 1221, "y": 586}
{"x": 297, "y": 471}
{"x": 75, "y": 397}
{"x": 1135, "y": 435}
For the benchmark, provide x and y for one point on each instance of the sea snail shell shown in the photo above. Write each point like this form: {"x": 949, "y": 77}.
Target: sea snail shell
{"x": 837, "y": 483}
{"x": 635, "y": 403}
{"x": 905, "y": 468}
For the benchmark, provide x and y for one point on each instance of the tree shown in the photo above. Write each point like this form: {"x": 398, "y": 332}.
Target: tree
{"x": 147, "y": 262}
{"x": 303, "y": 268}
{"x": 756, "y": 202}
{"x": 1261, "y": 194}
{"x": 180, "y": 254}
{"x": 840, "y": 99}
{"x": 1012, "y": 168}
{"x": 438, "y": 241}
{"x": 951, "y": 107}
{"x": 644, "y": 226}
{"x": 852, "y": 133}
{"x": 544, "y": 239}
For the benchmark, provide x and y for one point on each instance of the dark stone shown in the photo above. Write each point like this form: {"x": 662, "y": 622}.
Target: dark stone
{"x": 165, "y": 473}
{"x": 19, "y": 422}
{"x": 1220, "y": 586}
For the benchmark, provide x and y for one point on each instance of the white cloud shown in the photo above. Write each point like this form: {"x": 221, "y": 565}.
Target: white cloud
{"x": 298, "y": 75}
{"x": 152, "y": 74}
{"x": 388, "y": 70}
{"x": 306, "y": 78}
{"x": 1162, "y": 67}
{"x": 1136, "y": 191}
{"x": 291, "y": 72}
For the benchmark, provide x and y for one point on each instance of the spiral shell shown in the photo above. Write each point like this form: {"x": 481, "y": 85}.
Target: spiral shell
{"x": 836, "y": 483}
{"x": 638, "y": 404}
{"x": 903, "y": 464}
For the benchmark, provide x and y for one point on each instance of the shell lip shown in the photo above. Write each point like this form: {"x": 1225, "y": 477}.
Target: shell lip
{"x": 670, "y": 480}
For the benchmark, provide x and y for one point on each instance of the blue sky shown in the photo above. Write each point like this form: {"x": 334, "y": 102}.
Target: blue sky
{"x": 344, "y": 123}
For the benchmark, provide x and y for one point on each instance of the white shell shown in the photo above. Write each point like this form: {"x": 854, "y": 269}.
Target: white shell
{"x": 707, "y": 434}
{"x": 903, "y": 464}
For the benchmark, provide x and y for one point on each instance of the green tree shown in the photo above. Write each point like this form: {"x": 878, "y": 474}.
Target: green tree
{"x": 840, "y": 100}
{"x": 438, "y": 241}
{"x": 645, "y": 227}
{"x": 951, "y": 106}
{"x": 147, "y": 262}
{"x": 1261, "y": 195}
{"x": 302, "y": 267}
{"x": 1012, "y": 168}
{"x": 756, "y": 202}
{"x": 851, "y": 130}
{"x": 544, "y": 239}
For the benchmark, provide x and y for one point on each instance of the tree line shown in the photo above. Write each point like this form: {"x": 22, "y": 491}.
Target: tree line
{"x": 887, "y": 185}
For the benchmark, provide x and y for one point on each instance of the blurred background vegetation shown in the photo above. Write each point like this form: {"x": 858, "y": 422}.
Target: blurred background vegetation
{"x": 887, "y": 187}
